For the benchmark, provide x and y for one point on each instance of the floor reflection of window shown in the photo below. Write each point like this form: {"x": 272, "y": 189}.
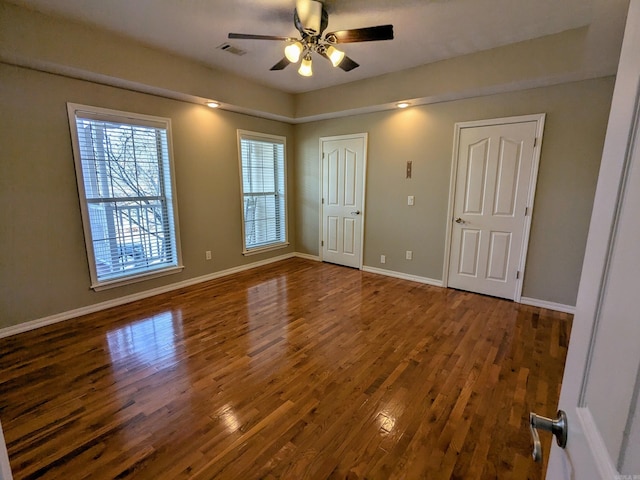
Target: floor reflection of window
{"x": 229, "y": 418}
{"x": 267, "y": 309}
{"x": 151, "y": 341}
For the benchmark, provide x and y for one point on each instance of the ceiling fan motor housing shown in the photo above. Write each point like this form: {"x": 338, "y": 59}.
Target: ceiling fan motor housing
{"x": 310, "y": 17}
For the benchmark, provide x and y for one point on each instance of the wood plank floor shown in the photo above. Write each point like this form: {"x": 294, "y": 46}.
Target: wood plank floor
{"x": 293, "y": 370}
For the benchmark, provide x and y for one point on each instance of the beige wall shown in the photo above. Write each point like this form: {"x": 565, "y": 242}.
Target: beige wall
{"x": 574, "y": 134}
{"x": 43, "y": 265}
{"x": 43, "y": 268}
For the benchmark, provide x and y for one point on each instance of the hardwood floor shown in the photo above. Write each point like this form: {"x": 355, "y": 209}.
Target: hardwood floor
{"x": 293, "y": 370}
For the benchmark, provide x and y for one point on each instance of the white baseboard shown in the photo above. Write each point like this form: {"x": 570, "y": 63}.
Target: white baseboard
{"x": 308, "y": 256}
{"x": 78, "y": 312}
{"x": 403, "y": 276}
{"x": 558, "y": 307}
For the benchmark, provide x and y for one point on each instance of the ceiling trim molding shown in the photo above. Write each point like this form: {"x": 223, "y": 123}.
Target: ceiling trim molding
{"x": 101, "y": 79}
{"x": 107, "y": 80}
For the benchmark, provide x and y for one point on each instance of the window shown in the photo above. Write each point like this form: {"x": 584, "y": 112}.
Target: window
{"x": 263, "y": 180}
{"x": 126, "y": 189}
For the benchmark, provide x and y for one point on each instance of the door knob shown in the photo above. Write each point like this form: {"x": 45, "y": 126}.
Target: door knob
{"x": 459, "y": 220}
{"x": 357, "y": 212}
{"x": 558, "y": 427}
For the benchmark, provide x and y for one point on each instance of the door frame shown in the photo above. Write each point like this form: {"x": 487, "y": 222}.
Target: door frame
{"x": 539, "y": 118}
{"x": 365, "y": 137}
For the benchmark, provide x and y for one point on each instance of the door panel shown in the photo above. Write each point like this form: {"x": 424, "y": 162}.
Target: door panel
{"x": 332, "y": 234}
{"x": 476, "y": 172}
{"x": 494, "y": 168}
{"x": 343, "y": 173}
{"x": 469, "y": 252}
{"x": 507, "y": 182}
{"x": 499, "y": 249}
{"x": 333, "y": 176}
{"x": 601, "y": 384}
{"x": 350, "y": 172}
{"x": 349, "y": 247}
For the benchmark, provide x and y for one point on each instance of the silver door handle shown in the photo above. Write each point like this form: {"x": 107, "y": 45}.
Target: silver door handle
{"x": 460, "y": 221}
{"x": 558, "y": 427}
{"x": 357, "y": 212}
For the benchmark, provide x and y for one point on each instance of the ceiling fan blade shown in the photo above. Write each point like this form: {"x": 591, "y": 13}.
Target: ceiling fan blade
{"x": 281, "y": 64}
{"x": 249, "y": 36}
{"x": 347, "y": 64}
{"x": 367, "y": 34}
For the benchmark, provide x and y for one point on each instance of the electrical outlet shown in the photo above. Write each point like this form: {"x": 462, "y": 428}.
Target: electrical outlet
{"x": 383, "y": 259}
{"x": 207, "y": 255}
{"x": 410, "y": 200}
{"x": 409, "y": 255}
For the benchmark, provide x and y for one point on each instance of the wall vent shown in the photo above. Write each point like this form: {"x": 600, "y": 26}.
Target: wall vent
{"x": 227, "y": 47}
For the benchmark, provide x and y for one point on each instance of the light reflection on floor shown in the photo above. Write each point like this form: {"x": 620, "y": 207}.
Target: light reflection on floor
{"x": 268, "y": 324}
{"x": 386, "y": 421}
{"x": 228, "y": 417}
{"x": 150, "y": 341}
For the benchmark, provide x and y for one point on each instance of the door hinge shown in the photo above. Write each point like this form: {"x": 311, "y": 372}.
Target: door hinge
{"x": 323, "y": 201}
{"x": 526, "y": 211}
{"x": 322, "y": 243}
{"x": 518, "y": 275}
{"x": 535, "y": 142}
{"x": 323, "y": 155}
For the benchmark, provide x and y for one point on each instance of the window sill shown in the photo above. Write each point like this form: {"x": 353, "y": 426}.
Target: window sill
{"x": 268, "y": 248}
{"x": 99, "y": 286}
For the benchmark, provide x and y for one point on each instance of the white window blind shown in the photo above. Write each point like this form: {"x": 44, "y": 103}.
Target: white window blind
{"x": 124, "y": 173}
{"x": 263, "y": 185}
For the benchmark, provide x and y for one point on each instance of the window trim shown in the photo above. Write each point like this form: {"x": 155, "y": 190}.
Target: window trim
{"x": 246, "y": 134}
{"x": 99, "y": 113}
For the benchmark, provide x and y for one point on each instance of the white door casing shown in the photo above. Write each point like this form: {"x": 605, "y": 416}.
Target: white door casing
{"x": 343, "y": 164}
{"x": 600, "y": 388}
{"x": 5, "y": 467}
{"x": 493, "y": 181}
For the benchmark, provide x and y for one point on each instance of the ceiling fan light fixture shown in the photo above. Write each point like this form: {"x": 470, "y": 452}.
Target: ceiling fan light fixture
{"x": 310, "y": 18}
{"x": 336, "y": 56}
{"x": 293, "y": 52}
{"x": 305, "y": 66}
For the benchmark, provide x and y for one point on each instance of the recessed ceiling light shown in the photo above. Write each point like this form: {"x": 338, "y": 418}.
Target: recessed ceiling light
{"x": 213, "y": 104}
{"x": 402, "y": 105}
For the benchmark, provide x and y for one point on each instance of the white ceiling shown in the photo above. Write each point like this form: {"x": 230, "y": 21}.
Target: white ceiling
{"x": 425, "y": 30}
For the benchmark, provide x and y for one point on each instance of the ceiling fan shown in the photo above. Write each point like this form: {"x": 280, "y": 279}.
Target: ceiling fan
{"x": 311, "y": 19}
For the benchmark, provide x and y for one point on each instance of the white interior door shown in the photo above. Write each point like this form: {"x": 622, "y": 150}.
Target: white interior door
{"x": 600, "y": 389}
{"x": 343, "y": 179}
{"x": 494, "y": 180}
